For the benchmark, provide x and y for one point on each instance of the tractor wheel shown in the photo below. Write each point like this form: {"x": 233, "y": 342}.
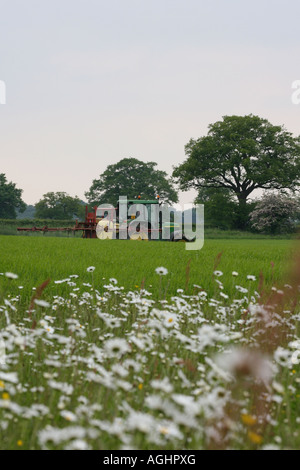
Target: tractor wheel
{"x": 177, "y": 239}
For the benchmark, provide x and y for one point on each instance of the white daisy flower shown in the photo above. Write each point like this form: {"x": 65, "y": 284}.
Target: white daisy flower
{"x": 11, "y": 275}
{"x": 116, "y": 347}
{"x": 91, "y": 269}
{"x": 218, "y": 273}
{"x": 161, "y": 271}
{"x": 41, "y": 303}
{"x": 68, "y": 415}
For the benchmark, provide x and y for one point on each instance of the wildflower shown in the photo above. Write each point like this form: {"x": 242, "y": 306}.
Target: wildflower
{"x": 218, "y": 273}
{"x": 116, "y": 347}
{"x": 91, "y": 269}
{"x": 243, "y": 362}
{"x": 234, "y": 273}
{"x": 283, "y": 357}
{"x": 278, "y": 387}
{"x": 161, "y": 271}
{"x": 5, "y": 396}
{"x": 170, "y": 319}
{"x": 141, "y": 422}
{"x": 11, "y": 377}
{"x": 77, "y": 444}
{"x": 68, "y": 415}
{"x": 255, "y": 438}
{"x": 56, "y": 435}
{"x": 164, "y": 385}
{"x": 63, "y": 387}
{"x": 11, "y": 275}
{"x": 225, "y": 296}
{"x": 19, "y": 442}
{"x": 251, "y": 278}
{"x": 270, "y": 447}
{"x": 248, "y": 419}
{"x": 163, "y": 430}
{"x": 2, "y": 385}
{"x": 140, "y": 386}
{"x": 41, "y": 303}
{"x": 241, "y": 289}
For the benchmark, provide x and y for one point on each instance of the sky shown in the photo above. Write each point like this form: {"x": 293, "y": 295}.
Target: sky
{"x": 89, "y": 82}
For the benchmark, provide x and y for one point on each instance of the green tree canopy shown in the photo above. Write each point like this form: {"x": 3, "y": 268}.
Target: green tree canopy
{"x": 10, "y": 199}
{"x": 132, "y": 178}
{"x": 241, "y": 153}
{"x": 220, "y": 207}
{"x": 59, "y": 206}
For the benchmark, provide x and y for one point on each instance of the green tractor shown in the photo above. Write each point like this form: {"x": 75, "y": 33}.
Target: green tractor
{"x": 137, "y": 219}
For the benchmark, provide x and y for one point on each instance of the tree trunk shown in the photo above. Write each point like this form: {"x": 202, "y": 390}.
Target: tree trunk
{"x": 242, "y": 211}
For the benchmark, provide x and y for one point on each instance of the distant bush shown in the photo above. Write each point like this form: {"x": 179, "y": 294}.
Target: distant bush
{"x": 275, "y": 214}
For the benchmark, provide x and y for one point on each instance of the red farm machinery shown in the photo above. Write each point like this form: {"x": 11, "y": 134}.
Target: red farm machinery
{"x": 88, "y": 227}
{"x": 114, "y": 217}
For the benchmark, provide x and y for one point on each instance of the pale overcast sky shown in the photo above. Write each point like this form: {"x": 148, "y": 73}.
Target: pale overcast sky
{"x": 89, "y": 82}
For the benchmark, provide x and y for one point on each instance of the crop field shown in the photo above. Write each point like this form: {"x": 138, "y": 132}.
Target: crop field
{"x": 145, "y": 345}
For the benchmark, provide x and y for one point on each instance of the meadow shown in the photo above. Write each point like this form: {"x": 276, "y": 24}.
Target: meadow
{"x": 133, "y": 264}
{"x": 145, "y": 345}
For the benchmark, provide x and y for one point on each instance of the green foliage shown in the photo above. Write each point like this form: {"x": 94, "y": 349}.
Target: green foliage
{"x": 58, "y": 206}
{"x": 222, "y": 211}
{"x": 10, "y": 199}
{"x": 241, "y": 154}
{"x": 219, "y": 207}
{"x": 29, "y": 213}
{"x": 132, "y": 178}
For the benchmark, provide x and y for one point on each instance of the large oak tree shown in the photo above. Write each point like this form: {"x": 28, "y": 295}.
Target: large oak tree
{"x": 132, "y": 178}
{"x": 242, "y": 154}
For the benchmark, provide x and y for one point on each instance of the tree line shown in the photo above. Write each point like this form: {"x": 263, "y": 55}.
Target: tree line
{"x": 239, "y": 155}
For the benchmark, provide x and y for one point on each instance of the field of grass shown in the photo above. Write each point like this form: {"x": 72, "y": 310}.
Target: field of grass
{"x": 112, "y": 353}
{"x": 133, "y": 263}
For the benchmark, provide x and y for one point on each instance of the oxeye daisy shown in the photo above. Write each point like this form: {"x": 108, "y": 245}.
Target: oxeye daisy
{"x": 161, "y": 271}
{"x": 41, "y": 303}
{"x": 11, "y": 275}
{"x": 218, "y": 273}
{"x": 91, "y": 269}
{"x": 116, "y": 347}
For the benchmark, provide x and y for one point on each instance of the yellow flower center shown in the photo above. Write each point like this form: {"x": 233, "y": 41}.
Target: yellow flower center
{"x": 164, "y": 430}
